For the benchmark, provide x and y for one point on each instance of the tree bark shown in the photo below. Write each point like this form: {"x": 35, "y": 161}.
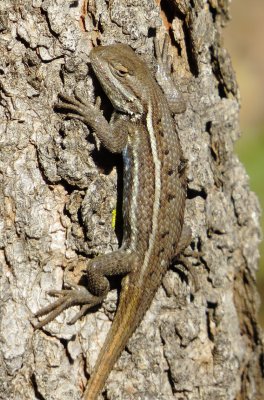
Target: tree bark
{"x": 59, "y": 191}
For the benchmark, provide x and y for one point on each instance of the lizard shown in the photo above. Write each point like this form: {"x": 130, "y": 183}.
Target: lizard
{"x": 154, "y": 194}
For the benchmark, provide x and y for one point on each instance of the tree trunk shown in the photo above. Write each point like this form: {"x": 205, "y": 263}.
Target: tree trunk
{"x": 59, "y": 192}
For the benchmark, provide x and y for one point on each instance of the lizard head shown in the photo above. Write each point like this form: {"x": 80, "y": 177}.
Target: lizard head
{"x": 123, "y": 76}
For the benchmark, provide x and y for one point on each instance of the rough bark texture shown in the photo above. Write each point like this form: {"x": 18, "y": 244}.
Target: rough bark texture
{"x": 58, "y": 192}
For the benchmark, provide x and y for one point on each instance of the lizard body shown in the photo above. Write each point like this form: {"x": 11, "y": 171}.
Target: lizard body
{"x": 153, "y": 200}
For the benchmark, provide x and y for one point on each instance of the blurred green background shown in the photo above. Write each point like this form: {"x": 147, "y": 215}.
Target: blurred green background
{"x": 244, "y": 37}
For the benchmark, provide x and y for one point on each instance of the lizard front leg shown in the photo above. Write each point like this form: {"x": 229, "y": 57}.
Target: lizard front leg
{"x": 164, "y": 77}
{"x": 113, "y": 136}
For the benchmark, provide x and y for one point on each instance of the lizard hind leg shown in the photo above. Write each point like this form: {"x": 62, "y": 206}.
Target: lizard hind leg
{"x": 98, "y": 269}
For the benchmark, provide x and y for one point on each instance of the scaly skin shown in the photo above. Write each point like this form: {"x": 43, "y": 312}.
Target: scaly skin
{"x": 153, "y": 204}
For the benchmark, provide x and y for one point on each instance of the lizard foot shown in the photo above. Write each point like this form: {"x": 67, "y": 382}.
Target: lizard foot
{"x": 184, "y": 266}
{"x": 68, "y": 298}
{"x": 77, "y": 107}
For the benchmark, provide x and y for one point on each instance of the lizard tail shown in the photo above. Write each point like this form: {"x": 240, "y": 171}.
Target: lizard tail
{"x": 125, "y": 322}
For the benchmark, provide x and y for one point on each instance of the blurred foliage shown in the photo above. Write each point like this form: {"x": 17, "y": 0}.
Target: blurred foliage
{"x": 243, "y": 38}
{"x": 250, "y": 149}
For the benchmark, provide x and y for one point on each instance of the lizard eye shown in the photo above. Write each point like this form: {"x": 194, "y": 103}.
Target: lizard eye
{"x": 120, "y": 70}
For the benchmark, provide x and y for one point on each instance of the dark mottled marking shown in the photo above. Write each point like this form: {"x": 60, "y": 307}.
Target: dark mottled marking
{"x": 164, "y": 234}
{"x": 166, "y": 152}
{"x": 159, "y": 126}
{"x": 161, "y": 251}
{"x": 170, "y": 197}
{"x": 182, "y": 166}
{"x": 170, "y": 172}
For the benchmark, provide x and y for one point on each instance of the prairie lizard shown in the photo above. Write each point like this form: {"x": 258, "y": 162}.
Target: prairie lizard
{"x": 154, "y": 194}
